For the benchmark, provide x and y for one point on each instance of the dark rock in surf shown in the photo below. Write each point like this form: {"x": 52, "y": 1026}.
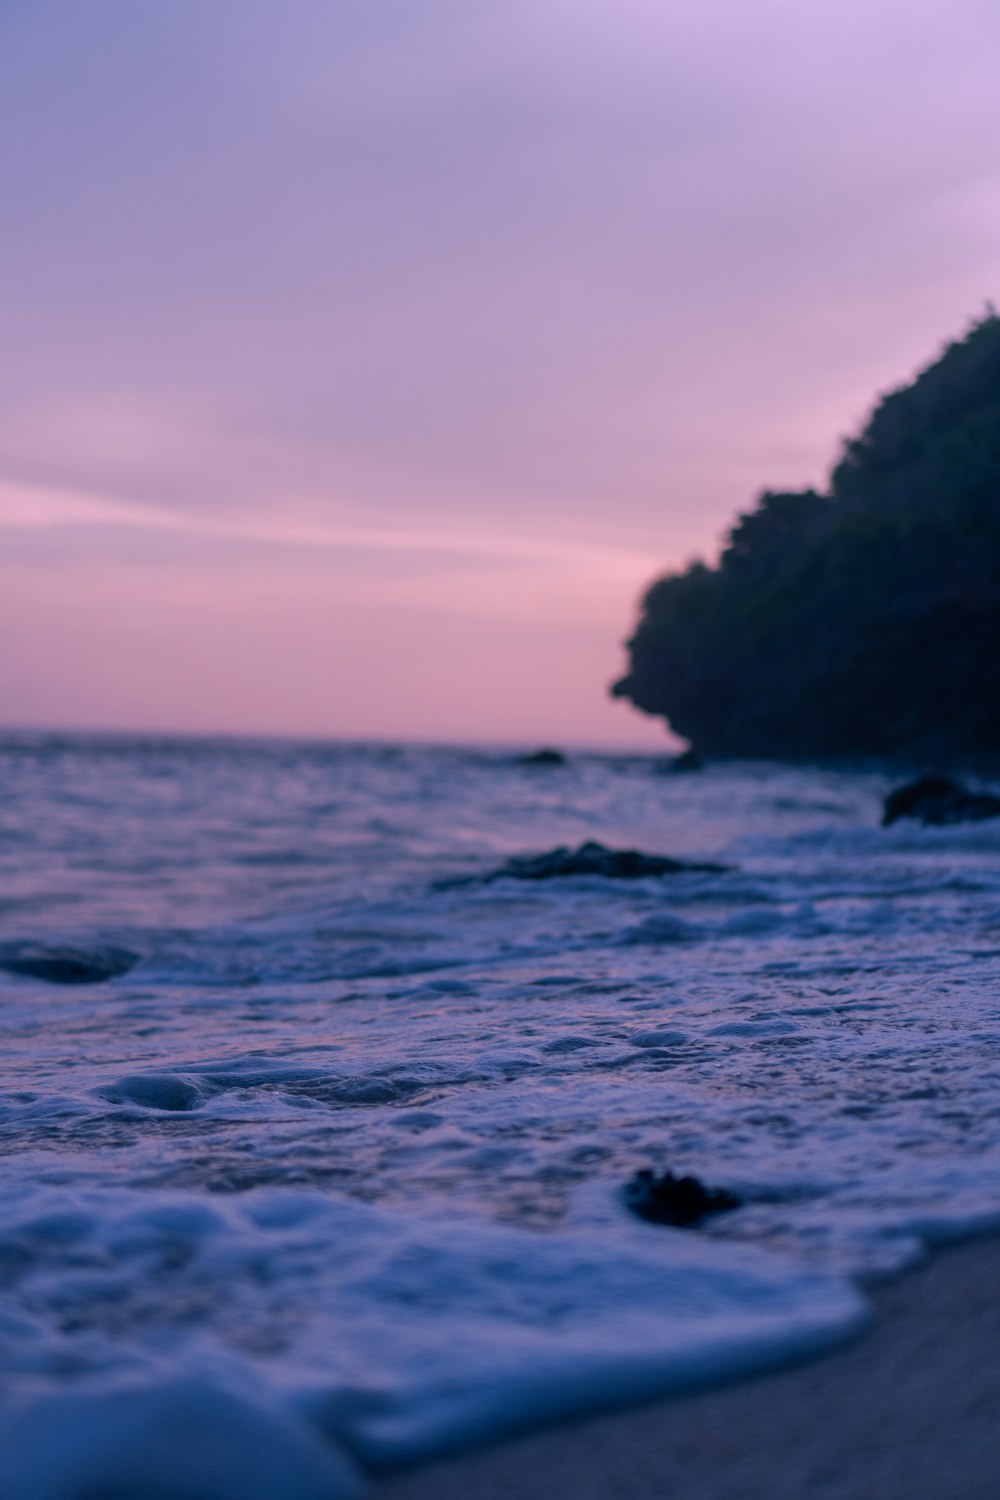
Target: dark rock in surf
{"x": 588, "y": 859}
{"x": 939, "y": 800}
{"x": 65, "y": 965}
{"x": 543, "y": 758}
{"x": 682, "y": 1202}
{"x": 169, "y": 1091}
{"x": 595, "y": 859}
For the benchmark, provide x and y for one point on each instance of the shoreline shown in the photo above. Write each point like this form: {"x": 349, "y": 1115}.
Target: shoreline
{"x": 907, "y": 1411}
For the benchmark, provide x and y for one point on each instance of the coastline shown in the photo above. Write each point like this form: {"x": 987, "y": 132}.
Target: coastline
{"x": 907, "y": 1411}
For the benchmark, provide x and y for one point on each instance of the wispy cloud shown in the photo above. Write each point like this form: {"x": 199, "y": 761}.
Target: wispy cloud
{"x": 45, "y": 508}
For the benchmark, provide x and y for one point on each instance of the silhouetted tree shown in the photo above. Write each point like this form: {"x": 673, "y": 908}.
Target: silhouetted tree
{"x": 865, "y": 620}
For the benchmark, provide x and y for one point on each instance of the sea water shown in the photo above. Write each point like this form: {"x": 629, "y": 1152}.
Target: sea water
{"x": 331, "y": 1178}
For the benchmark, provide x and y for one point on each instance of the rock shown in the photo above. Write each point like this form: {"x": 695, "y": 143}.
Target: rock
{"x": 595, "y": 859}
{"x": 589, "y": 859}
{"x": 543, "y": 758}
{"x": 152, "y": 1091}
{"x": 65, "y": 965}
{"x": 680, "y": 1201}
{"x": 939, "y": 799}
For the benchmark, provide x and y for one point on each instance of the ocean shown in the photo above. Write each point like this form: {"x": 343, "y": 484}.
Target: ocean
{"x": 327, "y": 1175}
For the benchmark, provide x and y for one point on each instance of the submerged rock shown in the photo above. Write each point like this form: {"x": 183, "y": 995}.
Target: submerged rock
{"x": 595, "y": 859}
{"x": 680, "y": 1201}
{"x": 939, "y": 800}
{"x": 543, "y": 758}
{"x": 65, "y": 965}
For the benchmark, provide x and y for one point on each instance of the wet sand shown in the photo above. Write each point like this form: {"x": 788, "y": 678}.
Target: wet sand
{"x": 910, "y": 1411}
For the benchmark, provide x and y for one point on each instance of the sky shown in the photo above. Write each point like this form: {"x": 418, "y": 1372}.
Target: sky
{"x": 362, "y": 362}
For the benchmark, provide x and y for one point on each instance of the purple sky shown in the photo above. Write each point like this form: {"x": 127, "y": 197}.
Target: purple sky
{"x": 362, "y": 360}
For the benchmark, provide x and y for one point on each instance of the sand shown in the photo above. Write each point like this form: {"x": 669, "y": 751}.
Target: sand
{"x": 911, "y": 1411}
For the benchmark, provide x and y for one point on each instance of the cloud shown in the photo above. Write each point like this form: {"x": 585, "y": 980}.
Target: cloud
{"x": 437, "y": 254}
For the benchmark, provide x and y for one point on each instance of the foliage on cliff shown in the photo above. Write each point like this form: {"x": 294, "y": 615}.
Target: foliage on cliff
{"x": 864, "y": 620}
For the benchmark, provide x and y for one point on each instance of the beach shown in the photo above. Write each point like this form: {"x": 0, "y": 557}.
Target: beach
{"x": 906, "y": 1412}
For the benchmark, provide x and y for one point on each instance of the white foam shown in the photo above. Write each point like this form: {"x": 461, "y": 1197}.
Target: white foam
{"x": 396, "y": 1340}
{"x": 182, "y": 1438}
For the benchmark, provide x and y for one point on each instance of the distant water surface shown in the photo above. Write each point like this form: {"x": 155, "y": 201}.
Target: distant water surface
{"x": 346, "y": 1143}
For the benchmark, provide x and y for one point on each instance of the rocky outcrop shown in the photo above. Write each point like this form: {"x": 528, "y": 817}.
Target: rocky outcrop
{"x": 938, "y": 799}
{"x": 592, "y": 858}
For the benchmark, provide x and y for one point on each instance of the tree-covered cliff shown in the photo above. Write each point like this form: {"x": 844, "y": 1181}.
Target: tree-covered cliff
{"x": 864, "y": 620}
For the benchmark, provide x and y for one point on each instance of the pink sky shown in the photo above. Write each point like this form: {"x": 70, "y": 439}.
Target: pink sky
{"x": 362, "y": 362}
